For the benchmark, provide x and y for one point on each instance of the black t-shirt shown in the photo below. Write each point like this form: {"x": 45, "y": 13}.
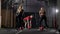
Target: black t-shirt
{"x": 20, "y": 15}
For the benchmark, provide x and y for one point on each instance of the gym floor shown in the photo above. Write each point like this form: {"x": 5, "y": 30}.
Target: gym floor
{"x": 31, "y": 31}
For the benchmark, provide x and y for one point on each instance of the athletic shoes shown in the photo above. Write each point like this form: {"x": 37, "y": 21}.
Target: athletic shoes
{"x": 21, "y": 28}
{"x": 41, "y": 28}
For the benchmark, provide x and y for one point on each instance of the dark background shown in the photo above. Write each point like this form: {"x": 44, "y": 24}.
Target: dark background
{"x": 30, "y": 7}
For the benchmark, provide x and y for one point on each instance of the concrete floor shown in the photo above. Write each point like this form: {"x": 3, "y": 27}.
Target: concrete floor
{"x": 8, "y": 31}
{"x": 26, "y": 31}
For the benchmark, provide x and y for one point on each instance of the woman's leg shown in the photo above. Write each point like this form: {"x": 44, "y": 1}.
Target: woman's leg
{"x": 41, "y": 19}
{"x": 25, "y": 24}
{"x": 45, "y": 19}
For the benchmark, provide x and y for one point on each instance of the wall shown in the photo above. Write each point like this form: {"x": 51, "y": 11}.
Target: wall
{"x": 58, "y": 15}
{"x": 0, "y": 13}
{"x": 32, "y": 5}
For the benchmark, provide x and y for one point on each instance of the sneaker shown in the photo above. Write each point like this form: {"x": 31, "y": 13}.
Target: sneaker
{"x": 19, "y": 29}
{"x": 44, "y": 29}
{"x": 22, "y": 28}
{"x": 19, "y": 32}
{"x": 41, "y": 28}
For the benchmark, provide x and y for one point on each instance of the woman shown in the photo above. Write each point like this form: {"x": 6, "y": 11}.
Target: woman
{"x": 42, "y": 15}
{"x": 27, "y": 21}
{"x": 19, "y": 18}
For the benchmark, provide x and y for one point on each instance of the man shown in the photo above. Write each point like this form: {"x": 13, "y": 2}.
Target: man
{"x": 42, "y": 15}
{"x": 27, "y": 21}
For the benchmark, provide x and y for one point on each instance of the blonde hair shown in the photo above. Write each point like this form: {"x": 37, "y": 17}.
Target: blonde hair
{"x": 42, "y": 8}
{"x": 19, "y": 8}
